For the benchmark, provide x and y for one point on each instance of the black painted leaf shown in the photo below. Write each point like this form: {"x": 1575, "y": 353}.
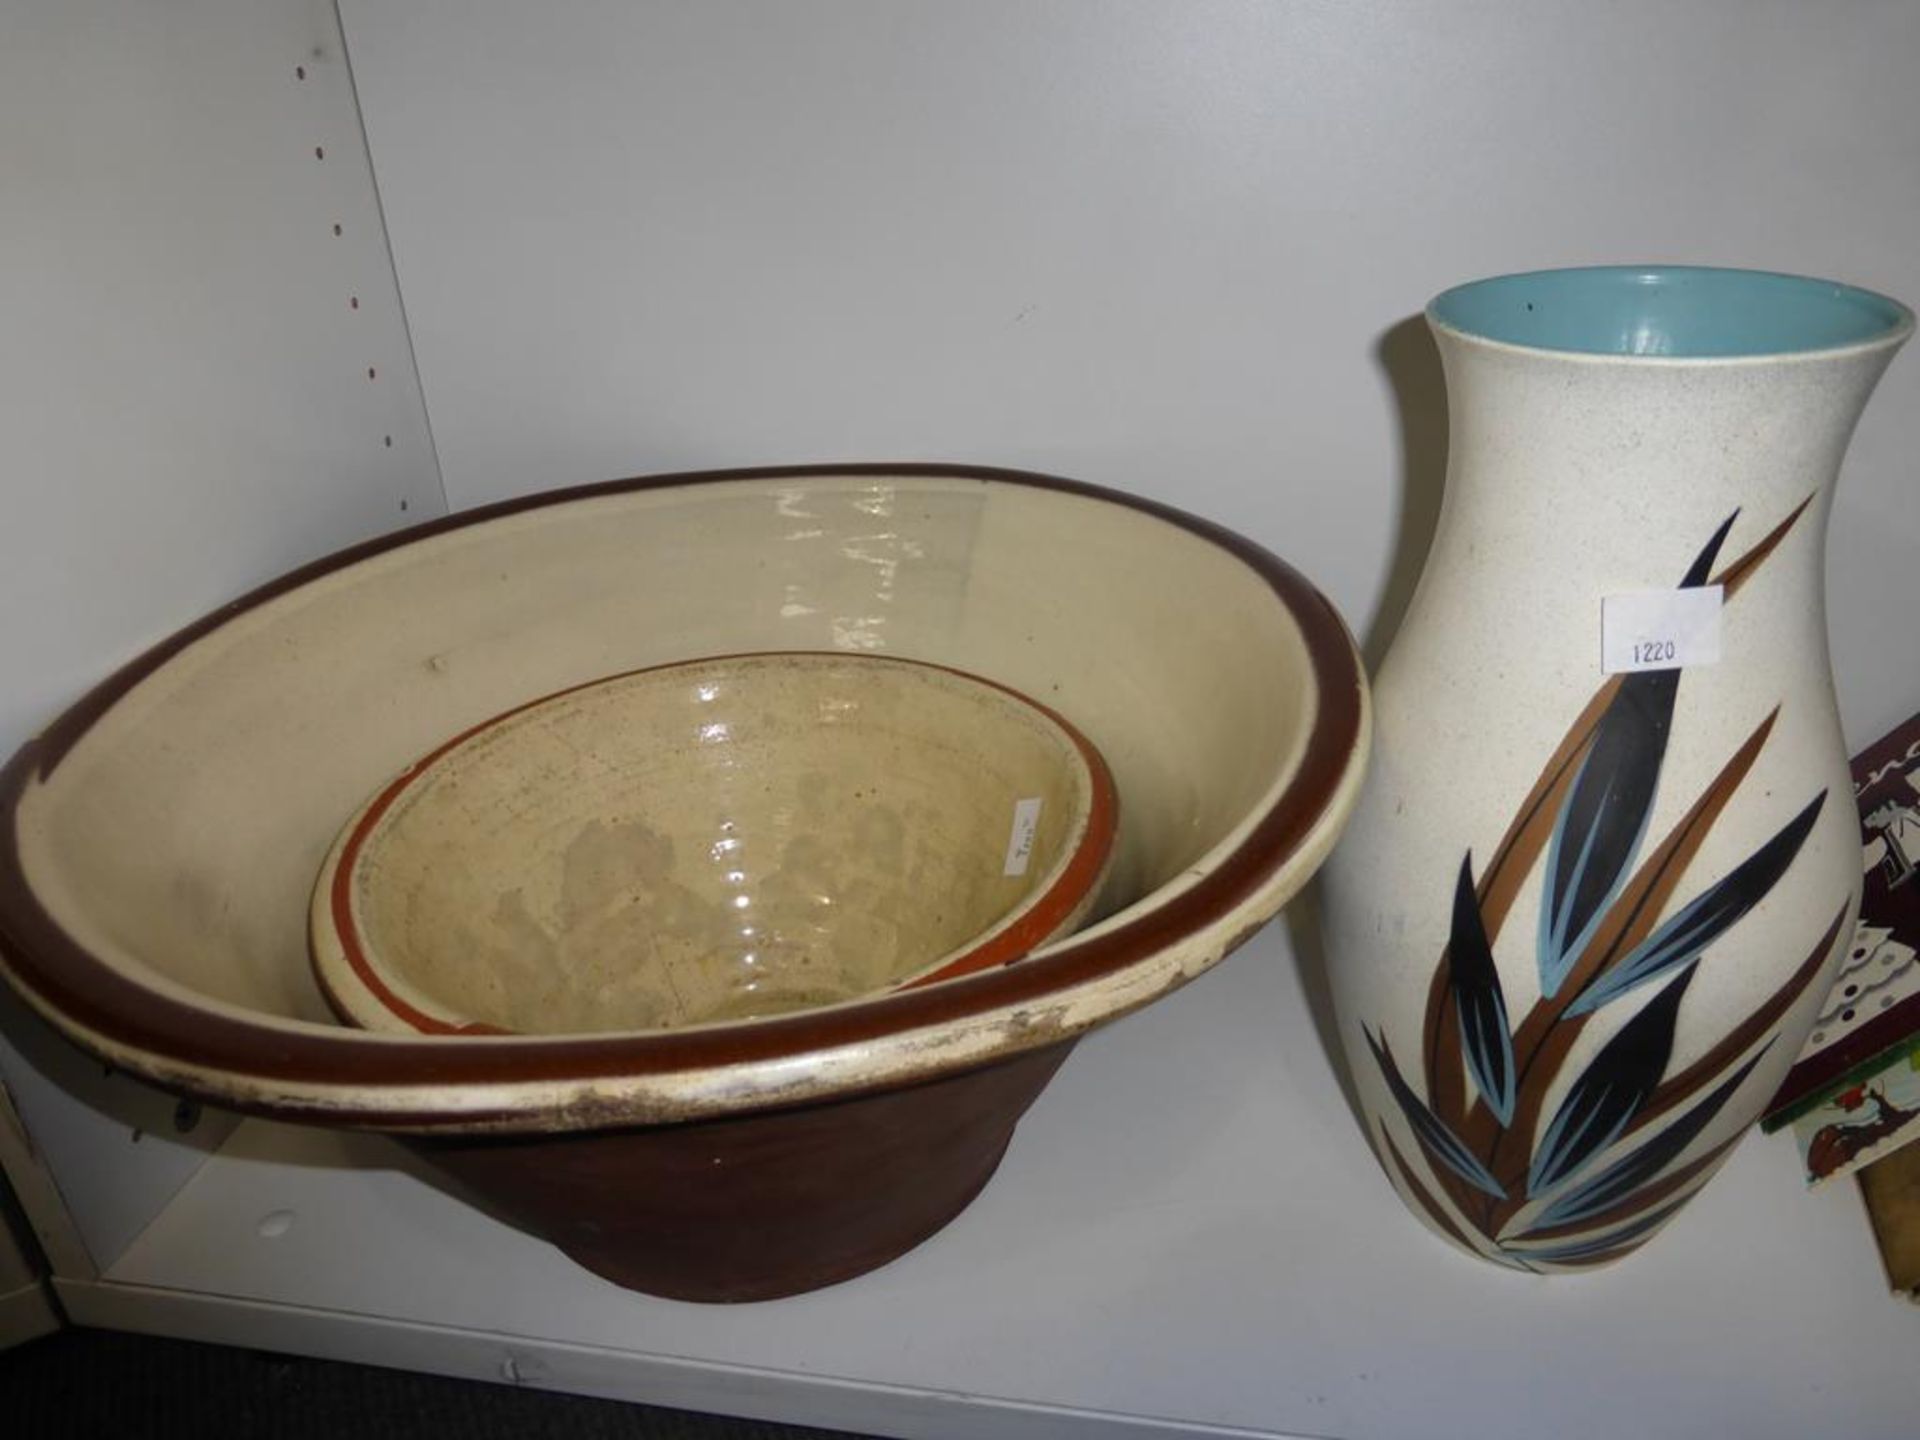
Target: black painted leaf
{"x": 1702, "y": 566}
{"x": 1603, "y": 819}
{"x": 1610, "y": 1091}
{"x": 1478, "y": 1001}
{"x": 1440, "y": 1142}
{"x": 1703, "y": 919}
{"x": 1625, "y": 1175}
{"x": 1604, "y": 816}
{"x": 1594, "y": 1246}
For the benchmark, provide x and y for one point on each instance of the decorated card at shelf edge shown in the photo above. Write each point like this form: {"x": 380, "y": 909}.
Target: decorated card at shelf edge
{"x": 1854, "y": 1067}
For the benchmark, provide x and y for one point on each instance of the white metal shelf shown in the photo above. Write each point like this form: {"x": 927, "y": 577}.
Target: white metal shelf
{"x": 1188, "y": 1235}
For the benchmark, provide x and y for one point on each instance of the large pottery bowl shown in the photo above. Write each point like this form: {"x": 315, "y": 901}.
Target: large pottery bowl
{"x": 161, "y": 839}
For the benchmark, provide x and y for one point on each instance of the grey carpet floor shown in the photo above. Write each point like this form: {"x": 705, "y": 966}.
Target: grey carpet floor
{"x": 88, "y": 1383}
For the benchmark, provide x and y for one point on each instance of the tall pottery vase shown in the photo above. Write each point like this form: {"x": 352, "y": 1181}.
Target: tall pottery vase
{"x": 1607, "y": 855}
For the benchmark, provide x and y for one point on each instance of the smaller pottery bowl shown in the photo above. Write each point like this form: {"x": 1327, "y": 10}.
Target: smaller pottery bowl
{"x": 711, "y": 842}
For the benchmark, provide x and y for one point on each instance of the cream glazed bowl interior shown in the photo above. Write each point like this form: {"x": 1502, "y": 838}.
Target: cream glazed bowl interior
{"x": 161, "y": 838}
{"x": 708, "y": 842}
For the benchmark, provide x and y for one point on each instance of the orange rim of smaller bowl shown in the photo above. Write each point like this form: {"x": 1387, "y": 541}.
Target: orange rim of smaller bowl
{"x": 1030, "y": 926}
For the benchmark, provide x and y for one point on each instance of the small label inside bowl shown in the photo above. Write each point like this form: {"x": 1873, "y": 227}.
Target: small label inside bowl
{"x": 1026, "y": 820}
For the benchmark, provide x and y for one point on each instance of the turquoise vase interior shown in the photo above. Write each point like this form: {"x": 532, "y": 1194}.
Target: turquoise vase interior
{"x": 1682, "y": 312}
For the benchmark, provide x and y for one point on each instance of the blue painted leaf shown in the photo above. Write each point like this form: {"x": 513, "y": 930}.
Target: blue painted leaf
{"x": 1478, "y": 1001}
{"x": 1604, "y": 816}
{"x": 1703, "y": 919}
{"x": 1595, "y": 1246}
{"x": 1440, "y": 1142}
{"x": 1627, "y": 1174}
{"x": 1610, "y": 1091}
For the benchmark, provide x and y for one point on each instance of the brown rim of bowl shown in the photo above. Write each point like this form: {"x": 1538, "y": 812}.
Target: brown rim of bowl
{"x": 1010, "y": 937}
{"x": 172, "y": 1041}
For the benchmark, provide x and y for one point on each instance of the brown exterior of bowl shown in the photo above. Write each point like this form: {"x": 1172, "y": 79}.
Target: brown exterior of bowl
{"x": 759, "y": 1206}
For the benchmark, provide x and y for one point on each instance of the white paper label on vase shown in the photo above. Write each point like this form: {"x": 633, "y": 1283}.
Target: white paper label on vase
{"x": 1026, "y": 819}
{"x": 1660, "y": 629}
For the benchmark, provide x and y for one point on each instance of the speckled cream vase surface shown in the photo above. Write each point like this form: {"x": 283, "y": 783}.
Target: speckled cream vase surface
{"x": 1607, "y": 853}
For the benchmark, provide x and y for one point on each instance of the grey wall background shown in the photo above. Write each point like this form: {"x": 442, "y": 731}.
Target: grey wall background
{"x": 1169, "y": 246}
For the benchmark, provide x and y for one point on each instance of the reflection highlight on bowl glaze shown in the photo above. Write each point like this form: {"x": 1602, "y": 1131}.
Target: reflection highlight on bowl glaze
{"x": 882, "y": 552}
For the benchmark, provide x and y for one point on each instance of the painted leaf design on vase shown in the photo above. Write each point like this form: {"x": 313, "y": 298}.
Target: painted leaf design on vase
{"x": 1677, "y": 1180}
{"x": 1604, "y": 818}
{"x": 1609, "y": 1165}
{"x": 1613, "y": 1183}
{"x": 1611, "y": 1243}
{"x": 1610, "y": 1091}
{"x": 1485, "y": 1036}
{"x": 1439, "y": 1141}
{"x": 1704, "y": 918}
{"x": 1405, "y": 1175}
